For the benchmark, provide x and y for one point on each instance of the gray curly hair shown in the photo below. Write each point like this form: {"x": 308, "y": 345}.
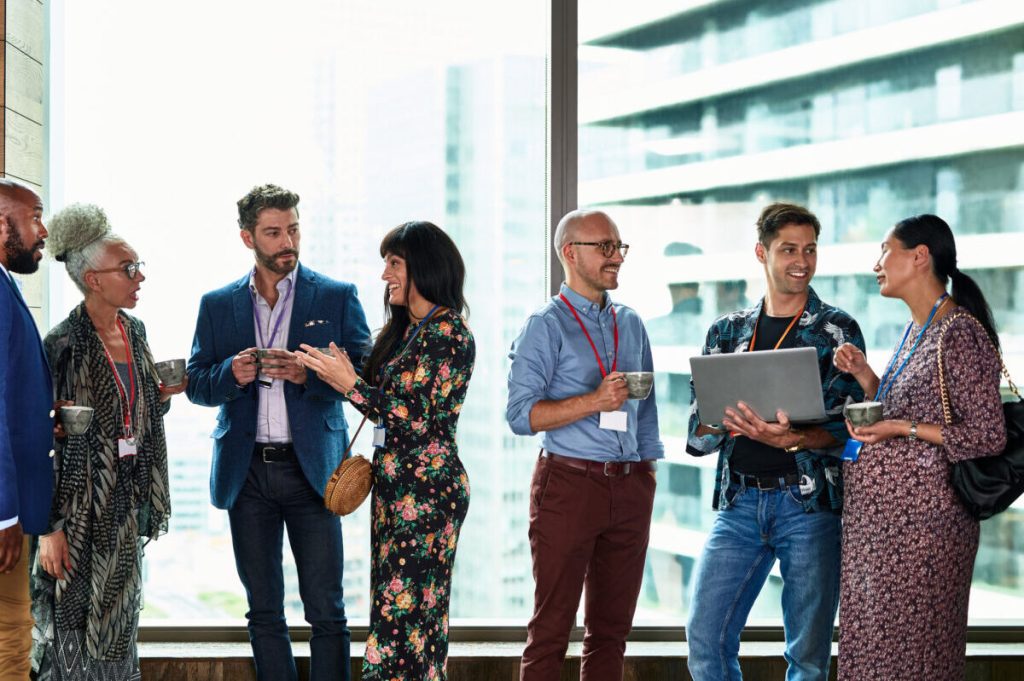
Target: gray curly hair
{"x": 79, "y": 235}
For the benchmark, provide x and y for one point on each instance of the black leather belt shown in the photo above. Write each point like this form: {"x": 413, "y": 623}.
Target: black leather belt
{"x": 610, "y": 469}
{"x": 275, "y": 452}
{"x": 766, "y": 482}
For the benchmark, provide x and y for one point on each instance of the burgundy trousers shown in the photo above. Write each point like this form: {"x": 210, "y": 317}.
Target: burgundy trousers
{"x": 585, "y": 528}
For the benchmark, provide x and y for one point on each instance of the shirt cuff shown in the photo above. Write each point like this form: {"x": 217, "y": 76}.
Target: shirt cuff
{"x": 10, "y": 522}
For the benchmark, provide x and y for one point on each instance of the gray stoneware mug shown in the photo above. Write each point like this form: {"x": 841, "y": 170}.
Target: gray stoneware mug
{"x": 639, "y": 383}
{"x": 863, "y": 413}
{"x": 171, "y": 371}
{"x": 76, "y": 419}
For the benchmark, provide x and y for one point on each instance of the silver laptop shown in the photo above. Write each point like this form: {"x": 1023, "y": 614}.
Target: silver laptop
{"x": 767, "y": 380}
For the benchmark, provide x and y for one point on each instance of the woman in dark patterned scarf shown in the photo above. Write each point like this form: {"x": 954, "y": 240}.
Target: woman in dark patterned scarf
{"x": 111, "y": 493}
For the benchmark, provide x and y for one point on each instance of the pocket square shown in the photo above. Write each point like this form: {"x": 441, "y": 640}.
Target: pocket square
{"x": 315, "y": 322}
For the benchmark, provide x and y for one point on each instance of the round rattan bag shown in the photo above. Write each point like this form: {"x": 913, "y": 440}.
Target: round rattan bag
{"x": 349, "y": 485}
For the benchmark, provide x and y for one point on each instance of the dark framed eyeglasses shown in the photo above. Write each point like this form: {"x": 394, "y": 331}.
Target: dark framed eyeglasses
{"x": 131, "y": 269}
{"x": 607, "y": 248}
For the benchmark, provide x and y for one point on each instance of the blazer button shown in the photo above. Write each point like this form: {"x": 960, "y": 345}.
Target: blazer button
{"x": 52, "y": 453}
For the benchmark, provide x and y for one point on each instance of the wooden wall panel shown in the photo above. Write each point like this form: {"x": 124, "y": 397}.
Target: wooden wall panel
{"x": 24, "y": 86}
{"x": 23, "y": 139}
{"x": 3, "y": 78}
{"x": 22, "y": 115}
{"x": 25, "y": 26}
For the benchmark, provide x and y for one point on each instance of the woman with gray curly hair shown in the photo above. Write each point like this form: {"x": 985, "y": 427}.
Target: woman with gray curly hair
{"x": 111, "y": 491}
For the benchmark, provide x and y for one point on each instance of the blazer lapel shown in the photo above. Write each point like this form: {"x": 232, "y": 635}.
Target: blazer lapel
{"x": 16, "y": 292}
{"x": 241, "y": 300}
{"x": 305, "y": 294}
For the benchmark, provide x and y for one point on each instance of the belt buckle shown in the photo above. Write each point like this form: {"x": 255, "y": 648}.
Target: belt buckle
{"x": 264, "y": 452}
{"x": 773, "y": 484}
{"x": 624, "y": 470}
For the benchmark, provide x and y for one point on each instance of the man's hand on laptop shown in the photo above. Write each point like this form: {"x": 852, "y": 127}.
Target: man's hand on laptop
{"x": 746, "y": 422}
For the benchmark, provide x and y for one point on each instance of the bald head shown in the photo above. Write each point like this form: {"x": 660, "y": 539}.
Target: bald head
{"x": 570, "y": 225}
{"x": 13, "y": 192}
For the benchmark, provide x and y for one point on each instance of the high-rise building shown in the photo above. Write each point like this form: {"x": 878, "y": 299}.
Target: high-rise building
{"x": 693, "y": 115}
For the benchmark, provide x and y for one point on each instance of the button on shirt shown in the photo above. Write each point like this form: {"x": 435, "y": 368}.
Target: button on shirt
{"x": 272, "y": 419}
{"x": 552, "y": 360}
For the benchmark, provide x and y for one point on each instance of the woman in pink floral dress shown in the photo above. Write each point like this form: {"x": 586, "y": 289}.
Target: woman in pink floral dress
{"x": 908, "y": 542}
{"x": 413, "y": 387}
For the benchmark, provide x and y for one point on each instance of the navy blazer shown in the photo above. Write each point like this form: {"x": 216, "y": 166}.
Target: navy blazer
{"x": 323, "y": 310}
{"x": 26, "y": 427}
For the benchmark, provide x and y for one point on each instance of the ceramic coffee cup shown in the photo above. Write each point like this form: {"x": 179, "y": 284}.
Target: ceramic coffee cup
{"x": 171, "y": 371}
{"x": 863, "y": 413}
{"x": 639, "y": 383}
{"x": 76, "y": 420}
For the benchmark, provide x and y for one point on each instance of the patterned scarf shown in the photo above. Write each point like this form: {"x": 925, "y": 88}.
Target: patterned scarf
{"x": 107, "y": 503}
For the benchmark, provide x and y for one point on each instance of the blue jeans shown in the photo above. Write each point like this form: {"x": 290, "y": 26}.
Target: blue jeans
{"x": 746, "y": 539}
{"x": 276, "y": 495}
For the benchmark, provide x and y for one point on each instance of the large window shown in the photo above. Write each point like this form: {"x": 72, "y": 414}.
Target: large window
{"x": 694, "y": 115}
{"x": 375, "y": 113}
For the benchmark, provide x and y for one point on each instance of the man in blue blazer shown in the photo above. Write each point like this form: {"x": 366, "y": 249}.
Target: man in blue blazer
{"x": 280, "y": 431}
{"x": 26, "y": 424}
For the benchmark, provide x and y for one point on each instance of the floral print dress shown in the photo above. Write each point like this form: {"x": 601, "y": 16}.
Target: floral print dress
{"x": 420, "y": 498}
{"x": 908, "y": 542}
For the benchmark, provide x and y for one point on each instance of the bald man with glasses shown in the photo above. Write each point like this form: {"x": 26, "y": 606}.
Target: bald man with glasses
{"x": 593, "y": 486}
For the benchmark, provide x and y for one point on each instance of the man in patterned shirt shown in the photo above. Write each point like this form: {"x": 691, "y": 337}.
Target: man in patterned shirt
{"x": 778, "y": 487}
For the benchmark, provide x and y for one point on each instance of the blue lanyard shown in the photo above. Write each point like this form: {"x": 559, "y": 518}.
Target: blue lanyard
{"x": 887, "y": 381}
{"x": 277, "y": 325}
{"x": 415, "y": 333}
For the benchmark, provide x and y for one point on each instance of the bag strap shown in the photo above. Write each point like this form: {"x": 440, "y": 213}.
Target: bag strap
{"x": 946, "y": 410}
{"x": 353, "y": 440}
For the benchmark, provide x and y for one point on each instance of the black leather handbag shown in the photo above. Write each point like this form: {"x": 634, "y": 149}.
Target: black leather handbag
{"x": 988, "y": 485}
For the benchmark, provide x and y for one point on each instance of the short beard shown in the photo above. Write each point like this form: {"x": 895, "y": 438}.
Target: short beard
{"x": 20, "y": 260}
{"x": 270, "y": 261}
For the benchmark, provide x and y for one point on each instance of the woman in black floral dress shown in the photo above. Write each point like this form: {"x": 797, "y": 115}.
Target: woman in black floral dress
{"x": 415, "y": 382}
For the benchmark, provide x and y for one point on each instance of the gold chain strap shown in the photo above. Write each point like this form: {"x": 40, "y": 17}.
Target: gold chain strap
{"x": 946, "y": 410}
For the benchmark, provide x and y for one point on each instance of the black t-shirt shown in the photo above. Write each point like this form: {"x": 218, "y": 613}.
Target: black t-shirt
{"x": 749, "y": 456}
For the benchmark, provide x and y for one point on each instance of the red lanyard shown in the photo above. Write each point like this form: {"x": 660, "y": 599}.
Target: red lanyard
{"x": 122, "y": 392}
{"x": 784, "y": 333}
{"x": 615, "y": 360}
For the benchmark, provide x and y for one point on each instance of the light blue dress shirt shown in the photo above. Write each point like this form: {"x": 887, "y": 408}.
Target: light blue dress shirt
{"x": 552, "y": 360}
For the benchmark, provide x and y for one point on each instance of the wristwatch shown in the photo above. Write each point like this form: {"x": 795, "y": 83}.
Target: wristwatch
{"x": 913, "y": 430}
{"x": 794, "y": 448}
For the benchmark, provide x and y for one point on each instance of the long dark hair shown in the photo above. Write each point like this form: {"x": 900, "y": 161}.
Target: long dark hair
{"x": 933, "y": 232}
{"x": 433, "y": 263}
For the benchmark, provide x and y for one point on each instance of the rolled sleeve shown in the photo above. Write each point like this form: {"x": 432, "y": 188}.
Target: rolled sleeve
{"x": 534, "y": 356}
{"x": 648, "y": 438}
{"x": 839, "y": 385}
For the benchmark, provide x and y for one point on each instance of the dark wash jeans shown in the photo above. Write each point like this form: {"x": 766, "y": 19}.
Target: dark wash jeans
{"x": 276, "y": 495}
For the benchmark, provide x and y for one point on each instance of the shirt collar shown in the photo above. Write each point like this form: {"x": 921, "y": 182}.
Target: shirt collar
{"x": 5, "y": 272}
{"x": 283, "y": 286}
{"x": 583, "y": 304}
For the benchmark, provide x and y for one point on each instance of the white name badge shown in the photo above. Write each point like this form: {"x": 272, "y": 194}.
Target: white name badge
{"x": 126, "y": 446}
{"x": 614, "y": 420}
{"x": 378, "y": 436}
